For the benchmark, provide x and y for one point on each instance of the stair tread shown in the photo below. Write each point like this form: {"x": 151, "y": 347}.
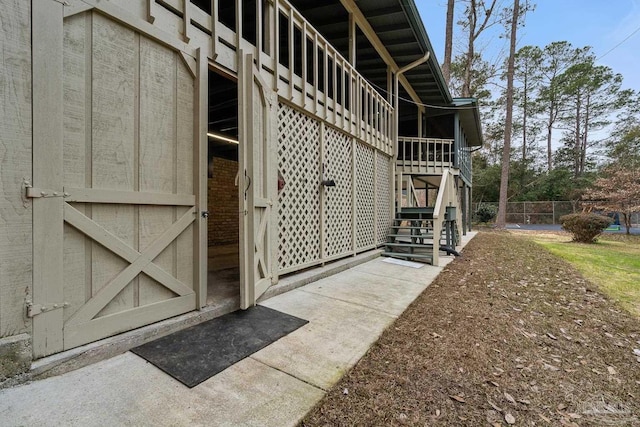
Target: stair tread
{"x": 407, "y": 255}
{"x": 410, "y": 245}
{"x": 415, "y": 236}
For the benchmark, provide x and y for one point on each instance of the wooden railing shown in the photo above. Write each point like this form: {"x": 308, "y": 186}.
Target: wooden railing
{"x": 305, "y": 69}
{"x": 309, "y": 72}
{"x": 425, "y": 155}
{"x": 447, "y": 196}
{"x": 431, "y": 156}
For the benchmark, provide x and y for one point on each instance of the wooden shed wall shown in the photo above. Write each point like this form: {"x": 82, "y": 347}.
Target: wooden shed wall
{"x": 15, "y": 165}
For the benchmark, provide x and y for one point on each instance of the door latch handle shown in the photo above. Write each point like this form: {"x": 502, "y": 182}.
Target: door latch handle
{"x": 205, "y": 214}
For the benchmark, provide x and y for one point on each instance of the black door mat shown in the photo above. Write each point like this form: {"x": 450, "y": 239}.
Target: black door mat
{"x": 197, "y": 353}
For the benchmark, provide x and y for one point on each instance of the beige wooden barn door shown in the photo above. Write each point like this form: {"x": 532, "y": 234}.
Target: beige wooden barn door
{"x": 257, "y": 183}
{"x": 116, "y": 176}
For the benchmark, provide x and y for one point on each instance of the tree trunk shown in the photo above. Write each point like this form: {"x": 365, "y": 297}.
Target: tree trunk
{"x": 466, "y": 84}
{"x": 627, "y": 221}
{"x": 577, "y": 140}
{"x": 525, "y": 89}
{"x": 448, "y": 42}
{"x": 549, "y": 148}
{"x": 506, "y": 150}
{"x": 583, "y": 148}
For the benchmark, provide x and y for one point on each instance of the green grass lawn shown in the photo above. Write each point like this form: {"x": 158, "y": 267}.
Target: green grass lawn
{"x": 613, "y": 263}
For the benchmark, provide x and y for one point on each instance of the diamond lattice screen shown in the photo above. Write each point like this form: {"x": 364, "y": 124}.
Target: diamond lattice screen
{"x": 383, "y": 196}
{"x": 365, "y": 227}
{"x": 298, "y": 209}
{"x": 337, "y": 203}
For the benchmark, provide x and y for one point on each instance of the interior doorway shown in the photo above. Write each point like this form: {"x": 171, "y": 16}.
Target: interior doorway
{"x": 223, "y": 275}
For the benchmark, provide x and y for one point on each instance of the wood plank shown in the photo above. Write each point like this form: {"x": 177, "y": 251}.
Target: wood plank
{"x": 47, "y": 39}
{"x": 157, "y": 154}
{"x": 370, "y": 33}
{"x": 200, "y": 126}
{"x": 75, "y": 7}
{"x": 92, "y": 195}
{"x": 15, "y": 165}
{"x": 77, "y": 143}
{"x": 115, "y": 63}
{"x": 185, "y": 143}
{"x": 133, "y": 21}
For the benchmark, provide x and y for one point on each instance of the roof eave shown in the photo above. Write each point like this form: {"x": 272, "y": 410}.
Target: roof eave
{"x": 411, "y": 11}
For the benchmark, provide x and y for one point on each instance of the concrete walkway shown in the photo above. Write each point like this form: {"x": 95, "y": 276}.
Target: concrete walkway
{"x": 276, "y": 386}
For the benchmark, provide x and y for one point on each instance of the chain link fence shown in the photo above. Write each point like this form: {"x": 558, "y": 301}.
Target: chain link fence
{"x": 542, "y": 212}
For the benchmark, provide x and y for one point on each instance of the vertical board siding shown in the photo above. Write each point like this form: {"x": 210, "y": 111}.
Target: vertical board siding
{"x": 157, "y": 155}
{"x": 298, "y": 212}
{"x": 114, "y": 87}
{"x": 185, "y": 93}
{"x": 129, "y": 126}
{"x": 15, "y": 165}
{"x": 77, "y": 119}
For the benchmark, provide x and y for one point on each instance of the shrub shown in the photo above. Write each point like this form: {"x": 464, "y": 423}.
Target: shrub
{"x": 585, "y": 227}
{"x": 485, "y": 213}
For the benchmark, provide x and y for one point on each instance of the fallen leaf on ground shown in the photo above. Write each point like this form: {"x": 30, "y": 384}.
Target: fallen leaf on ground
{"x": 611, "y": 370}
{"x": 510, "y": 419}
{"x": 550, "y": 335}
{"x": 509, "y": 397}
{"x": 494, "y": 406}
{"x": 458, "y": 398}
{"x": 544, "y": 418}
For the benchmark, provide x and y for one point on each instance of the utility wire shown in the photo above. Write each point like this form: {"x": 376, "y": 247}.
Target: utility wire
{"x": 411, "y": 101}
{"x": 453, "y": 108}
{"x": 618, "y": 45}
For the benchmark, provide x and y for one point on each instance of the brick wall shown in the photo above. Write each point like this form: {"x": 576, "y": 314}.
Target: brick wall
{"x": 223, "y": 203}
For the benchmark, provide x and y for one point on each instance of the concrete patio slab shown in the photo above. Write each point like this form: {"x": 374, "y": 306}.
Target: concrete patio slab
{"x": 336, "y": 337}
{"x": 381, "y": 292}
{"x": 126, "y": 390}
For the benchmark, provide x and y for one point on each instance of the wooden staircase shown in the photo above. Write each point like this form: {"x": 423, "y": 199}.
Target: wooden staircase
{"x": 411, "y": 236}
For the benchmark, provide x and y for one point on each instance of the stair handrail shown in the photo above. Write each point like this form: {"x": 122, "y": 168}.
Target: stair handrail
{"x": 441, "y": 204}
{"x": 442, "y": 201}
{"x": 416, "y": 202}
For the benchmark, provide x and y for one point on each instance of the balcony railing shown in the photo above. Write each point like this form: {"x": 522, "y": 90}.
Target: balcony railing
{"x": 425, "y": 155}
{"x": 431, "y": 156}
{"x": 305, "y": 69}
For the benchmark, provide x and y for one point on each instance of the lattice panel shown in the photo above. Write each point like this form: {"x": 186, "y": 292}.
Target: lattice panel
{"x": 298, "y": 209}
{"x": 365, "y": 227}
{"x": 383, "y": 196}
{"x": 338, "y": 200}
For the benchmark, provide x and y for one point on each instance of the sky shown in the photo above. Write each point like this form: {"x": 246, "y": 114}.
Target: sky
{"x": 602, "y": 24}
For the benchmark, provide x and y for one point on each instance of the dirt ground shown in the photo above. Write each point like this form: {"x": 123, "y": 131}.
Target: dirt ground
{"x": 507, "y": 334}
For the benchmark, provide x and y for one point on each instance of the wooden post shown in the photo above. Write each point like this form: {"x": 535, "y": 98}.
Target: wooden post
{"x": 214, "y": 27}
{"x": 323, "y": 191}
{"x": 186, "y": 20}
{"x": 48, "y": 216}
{"x": 201, "y": 120}
{"x": 354, "y": 192}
